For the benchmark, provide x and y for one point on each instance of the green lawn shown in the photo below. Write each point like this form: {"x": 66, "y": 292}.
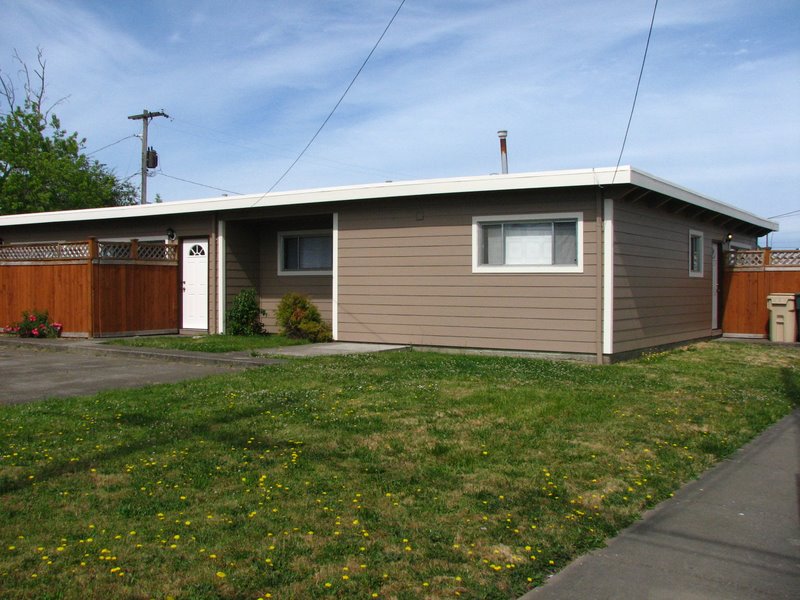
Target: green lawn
{"x": 210, "y": 343}
{"x": 399, "y": 475}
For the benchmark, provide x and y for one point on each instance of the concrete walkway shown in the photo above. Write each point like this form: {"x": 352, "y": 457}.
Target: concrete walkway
{"x": 36, "y": 369}
{"x": 733, "y": 534}
{"x": 254, "y": 358}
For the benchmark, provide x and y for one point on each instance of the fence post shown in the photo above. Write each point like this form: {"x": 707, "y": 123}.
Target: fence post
{"x": 134, "y": 249}
{"x": 91, "y": 292}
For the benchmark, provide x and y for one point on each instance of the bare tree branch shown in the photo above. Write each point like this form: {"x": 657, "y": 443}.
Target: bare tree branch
{"x": 34, "y": 85}
{"x": 8, "y": 91}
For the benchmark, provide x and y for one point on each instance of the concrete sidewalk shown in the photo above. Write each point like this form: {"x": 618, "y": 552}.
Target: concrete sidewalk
{"x": 733, "y": 534}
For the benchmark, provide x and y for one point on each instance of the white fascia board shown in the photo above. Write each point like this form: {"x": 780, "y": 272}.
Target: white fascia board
{"x": 484, "y": 183}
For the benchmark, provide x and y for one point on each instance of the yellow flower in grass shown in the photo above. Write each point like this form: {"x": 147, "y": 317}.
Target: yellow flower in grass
{"x": 221, "y": 575}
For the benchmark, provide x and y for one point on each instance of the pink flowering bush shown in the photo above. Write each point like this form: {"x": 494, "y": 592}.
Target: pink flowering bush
{"x": 35, "y": 324}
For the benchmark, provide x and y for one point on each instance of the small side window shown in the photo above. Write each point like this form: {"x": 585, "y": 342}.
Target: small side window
{"x": 695, "y": 253}
{"x": 305, "y": 253}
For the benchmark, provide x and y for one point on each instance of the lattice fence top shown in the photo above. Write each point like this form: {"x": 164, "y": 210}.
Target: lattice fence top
{"x": 764, "y": 258}
{"x": 157, "y": 251}
{"x": 785, "y": 258}
{"x": 54, "y": 251}
{"x": 746, "y": 258}
{"x": 114, "y": 250}
{"x": 106, "y": 250}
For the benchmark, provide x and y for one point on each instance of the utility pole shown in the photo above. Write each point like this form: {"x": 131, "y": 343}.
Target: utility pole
{"x": 145, "y": 119}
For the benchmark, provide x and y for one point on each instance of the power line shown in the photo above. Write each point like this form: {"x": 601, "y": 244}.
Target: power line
{"x": 636, "y": 95}
{"x": 109, "y": 146}
{"x": 272, "y": 148}
{"x": 200, "y": 184}
{"x": 788, "y": 214}
{"x": 330, "y": 114}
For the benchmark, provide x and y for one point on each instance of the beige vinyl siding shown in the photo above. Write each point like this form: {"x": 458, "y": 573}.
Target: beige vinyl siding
{"x": 656, "y": 302}
{"x": 242, "y": 268}
{"x": 405, "y": 276}
{"x": 273, "y": 286}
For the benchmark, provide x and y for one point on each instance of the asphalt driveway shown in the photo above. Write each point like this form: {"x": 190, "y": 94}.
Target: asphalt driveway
{"x": 29, "y": 373}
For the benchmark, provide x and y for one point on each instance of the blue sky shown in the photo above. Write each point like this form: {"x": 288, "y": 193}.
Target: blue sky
{"x": 247, "y": 84}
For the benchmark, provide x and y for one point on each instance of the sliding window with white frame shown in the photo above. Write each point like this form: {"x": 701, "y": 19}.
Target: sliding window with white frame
{"x": 545, "y": 243}
{"x": 305, "y": 252}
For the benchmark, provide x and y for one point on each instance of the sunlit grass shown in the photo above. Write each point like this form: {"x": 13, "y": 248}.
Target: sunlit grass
{"x": 401, "y": 475}
{"x": 210, "y": 343}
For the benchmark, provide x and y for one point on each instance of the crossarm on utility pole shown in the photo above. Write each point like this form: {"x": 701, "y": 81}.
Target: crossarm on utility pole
{"x": 145, "y": 119}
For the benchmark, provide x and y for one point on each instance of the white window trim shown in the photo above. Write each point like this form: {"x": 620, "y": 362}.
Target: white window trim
{"x": 699, "y": 234}
{"x": 308, "y": 233}
{"x": 476, "y": 243}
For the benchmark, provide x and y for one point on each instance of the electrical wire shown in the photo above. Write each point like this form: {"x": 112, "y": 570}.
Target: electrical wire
{"x": 636, "y": 94}
{"x": 211, "y": 187}
{"x": 789, "y": 214}
{"x": 274, "y": 149}
{"x": 341, "y": 98}
{"x": 112, "y": 144}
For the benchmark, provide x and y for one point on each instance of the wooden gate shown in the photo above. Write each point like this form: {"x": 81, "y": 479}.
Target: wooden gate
{"x": 750, "y": 276}
{"x": 94, "y": 288}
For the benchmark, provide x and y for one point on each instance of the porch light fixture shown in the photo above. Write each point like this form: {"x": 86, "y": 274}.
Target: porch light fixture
{"x": 729, "y": 237}
{"x": 171, "y": 234}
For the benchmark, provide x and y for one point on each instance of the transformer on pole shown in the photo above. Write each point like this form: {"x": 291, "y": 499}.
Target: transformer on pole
{"x": 149, "y": 156}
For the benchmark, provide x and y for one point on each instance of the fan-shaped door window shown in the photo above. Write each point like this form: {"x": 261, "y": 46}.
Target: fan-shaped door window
{"x": 197, "y": 250}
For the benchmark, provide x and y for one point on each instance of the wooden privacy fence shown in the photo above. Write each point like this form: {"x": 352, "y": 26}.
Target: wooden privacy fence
{"x": 94, "y": 288}
{"x": 750, "y": 276}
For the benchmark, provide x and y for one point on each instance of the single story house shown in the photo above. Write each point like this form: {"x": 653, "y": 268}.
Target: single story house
{"x": 592, "y": 263}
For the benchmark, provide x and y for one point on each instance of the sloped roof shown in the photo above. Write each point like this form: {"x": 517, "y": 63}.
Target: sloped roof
{"x": 600, "y": 177}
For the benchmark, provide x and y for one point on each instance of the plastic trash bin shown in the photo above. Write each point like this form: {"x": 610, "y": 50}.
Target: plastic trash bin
{"x": 782, "y": 318}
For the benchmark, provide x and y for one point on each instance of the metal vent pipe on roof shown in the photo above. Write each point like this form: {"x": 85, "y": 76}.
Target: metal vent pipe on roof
{"x": 503, "y": 134}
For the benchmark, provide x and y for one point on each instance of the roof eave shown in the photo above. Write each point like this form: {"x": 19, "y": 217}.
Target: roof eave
{"x": 599, "y": 177}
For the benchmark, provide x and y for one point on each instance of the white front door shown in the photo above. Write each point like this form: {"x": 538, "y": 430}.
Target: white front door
{"x": 194, "y": 271}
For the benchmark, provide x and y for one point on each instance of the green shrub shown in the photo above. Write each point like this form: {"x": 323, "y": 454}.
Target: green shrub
{"x": 244, "y": 315}
{"x": 298, "y": 317}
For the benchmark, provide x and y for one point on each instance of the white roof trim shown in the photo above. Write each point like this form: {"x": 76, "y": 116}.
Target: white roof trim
{"x": 484, "y": 183}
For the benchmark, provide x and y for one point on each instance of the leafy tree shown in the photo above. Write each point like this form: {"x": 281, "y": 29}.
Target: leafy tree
{"x": 42, "y": 167}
